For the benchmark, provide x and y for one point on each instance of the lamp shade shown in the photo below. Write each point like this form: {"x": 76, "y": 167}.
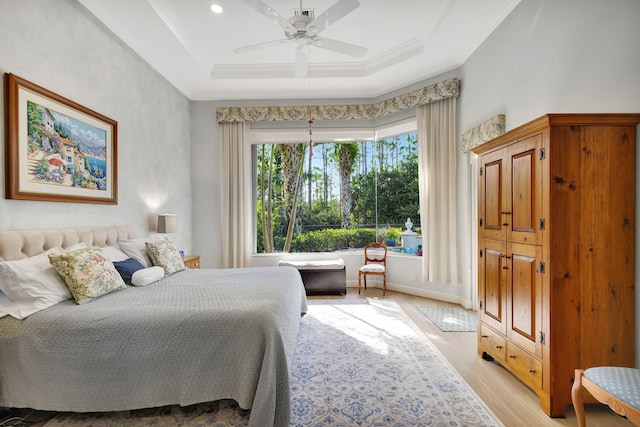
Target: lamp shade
{"x": 167, "y": 223}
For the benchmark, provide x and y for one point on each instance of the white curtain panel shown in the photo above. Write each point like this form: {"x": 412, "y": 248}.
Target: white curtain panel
{"x": 437, "y": 159}
{"x": 235, "y": 176}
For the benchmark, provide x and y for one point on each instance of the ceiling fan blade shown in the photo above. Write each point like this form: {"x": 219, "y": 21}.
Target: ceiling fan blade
{"x": 301, "y": 62}
{"x": 340, "y": 47}
{"x": 270, "y": 13}
{"x": 259, "y": 46}
{"x": 331, "y": 15}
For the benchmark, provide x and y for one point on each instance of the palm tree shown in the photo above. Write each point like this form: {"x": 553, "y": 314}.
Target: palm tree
{"x": 292, "y": 178}
{"x": 265, "y": 195}
{"x": 345, "y": 154}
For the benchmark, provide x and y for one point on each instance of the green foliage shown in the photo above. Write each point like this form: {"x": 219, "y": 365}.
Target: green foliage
{"x": 333, "y": 239}
{"x": 97, "y": 172}
{"x": 41, "y": 169}
{"x": 61, "y": 131}
{"x": 378, "y": 186}
{"x": 397, "y": 195}
{"x": 275, "y": 220}
{"x": 79, "y": 180}
{"x": 34, "y": 121}
{"x": 393, "y": 233}
{"x": 32, "y": 145}
{"x": 321, "y": 215}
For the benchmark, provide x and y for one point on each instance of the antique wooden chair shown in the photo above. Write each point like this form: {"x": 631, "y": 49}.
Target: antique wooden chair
{"x": 619, "y": 388}
{"x": 375, "y": 263}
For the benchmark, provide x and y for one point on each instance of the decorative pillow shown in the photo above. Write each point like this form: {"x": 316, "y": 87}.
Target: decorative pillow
{"x": 31, "y": 284}
{"x": 88, "y": 273}
{"x": 135, "y": 248}
{"x": 164, "y": 254}
{"x": 114, "y": 254}
{"x": 147, "y": 276}
{"x": 127, "y": 268}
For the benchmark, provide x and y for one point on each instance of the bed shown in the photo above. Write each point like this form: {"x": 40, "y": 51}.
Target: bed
{"x": 195, "y": 336}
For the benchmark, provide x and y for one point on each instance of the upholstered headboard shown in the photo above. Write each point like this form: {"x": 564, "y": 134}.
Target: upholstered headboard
{"x": 18, "y": 244}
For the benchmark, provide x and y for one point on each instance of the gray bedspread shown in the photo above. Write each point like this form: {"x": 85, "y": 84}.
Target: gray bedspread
{"x": 196, "y": 336}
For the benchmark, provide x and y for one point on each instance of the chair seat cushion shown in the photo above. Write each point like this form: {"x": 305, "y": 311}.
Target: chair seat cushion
{"x": 623, "y": 383}
{"x": 372, "y": 268}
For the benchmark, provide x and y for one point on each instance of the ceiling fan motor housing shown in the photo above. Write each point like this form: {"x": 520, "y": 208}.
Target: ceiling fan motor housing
{"x": 299, "y": 21}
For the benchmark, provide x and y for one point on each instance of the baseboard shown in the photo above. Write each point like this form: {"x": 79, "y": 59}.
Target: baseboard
{"x": 424, "y": 293}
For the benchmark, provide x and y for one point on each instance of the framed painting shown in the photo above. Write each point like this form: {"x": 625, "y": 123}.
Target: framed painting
{"x": 55, "y": 149}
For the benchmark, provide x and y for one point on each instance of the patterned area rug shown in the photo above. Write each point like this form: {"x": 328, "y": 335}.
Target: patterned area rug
{"x": 357, "y": 363}
{"x": 451, "y": 319}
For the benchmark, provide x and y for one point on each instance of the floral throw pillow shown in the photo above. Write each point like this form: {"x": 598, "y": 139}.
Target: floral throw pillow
{"x": 164, "y": 254}
{"x": 88, "y": 273}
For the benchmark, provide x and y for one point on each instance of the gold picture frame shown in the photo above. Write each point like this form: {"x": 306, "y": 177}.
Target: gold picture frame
{"x": 55, "y": 149}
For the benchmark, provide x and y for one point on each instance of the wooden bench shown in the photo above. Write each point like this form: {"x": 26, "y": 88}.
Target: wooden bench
{"x": 321, "y": 276}
{"x": 617, "y": 387}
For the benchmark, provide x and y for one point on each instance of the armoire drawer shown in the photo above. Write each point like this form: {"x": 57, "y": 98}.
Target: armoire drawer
{"x": 525, "y": 365}
{"x": 492, "y": 342}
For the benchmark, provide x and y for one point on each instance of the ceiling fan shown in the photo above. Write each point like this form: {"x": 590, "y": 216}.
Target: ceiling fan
{"x": 303, "y": 28}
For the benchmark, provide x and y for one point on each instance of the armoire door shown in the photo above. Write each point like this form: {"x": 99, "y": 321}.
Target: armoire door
{"x": 524, "y": 296}
{"x": 522, "y": 216}
{"x": 492, "y": 284}
{"x": 490, "y": 196}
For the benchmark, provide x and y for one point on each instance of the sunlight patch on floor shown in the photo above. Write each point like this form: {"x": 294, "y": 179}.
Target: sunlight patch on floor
{"x": 373, "y": 325}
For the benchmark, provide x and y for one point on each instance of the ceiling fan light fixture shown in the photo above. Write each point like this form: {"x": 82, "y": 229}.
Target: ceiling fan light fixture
{"x": 216, "y": 8}
{"x": 303, "y": 40}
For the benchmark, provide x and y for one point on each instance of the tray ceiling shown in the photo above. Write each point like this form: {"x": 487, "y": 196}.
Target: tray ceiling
{"x": 406, "y": 40}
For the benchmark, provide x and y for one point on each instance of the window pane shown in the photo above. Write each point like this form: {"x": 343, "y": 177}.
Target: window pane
{"x": 338, "y": 196}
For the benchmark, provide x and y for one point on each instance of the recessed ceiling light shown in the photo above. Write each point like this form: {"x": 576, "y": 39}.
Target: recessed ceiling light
{"x": 216, "y": 8}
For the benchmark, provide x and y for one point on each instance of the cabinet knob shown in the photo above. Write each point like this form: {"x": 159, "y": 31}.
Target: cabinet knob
{"x": 532, "y": 371}
{"x": 499, "y": 347}
{"x": 511, "y": 356}
{"x": 485, "y": 336}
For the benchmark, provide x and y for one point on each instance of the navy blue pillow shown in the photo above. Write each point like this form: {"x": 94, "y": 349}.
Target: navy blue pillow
{"x": 127, "y": 267}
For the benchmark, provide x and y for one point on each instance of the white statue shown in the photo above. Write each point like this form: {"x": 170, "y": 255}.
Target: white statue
{"x": 408, "y": 224}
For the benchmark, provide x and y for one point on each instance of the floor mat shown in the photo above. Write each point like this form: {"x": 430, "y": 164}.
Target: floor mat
{"x": 451, "y": 319}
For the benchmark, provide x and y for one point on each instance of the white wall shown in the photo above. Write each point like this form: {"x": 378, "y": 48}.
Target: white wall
{"x": 59, "y": 45}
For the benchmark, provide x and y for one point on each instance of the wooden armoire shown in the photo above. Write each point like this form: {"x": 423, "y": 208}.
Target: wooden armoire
{"x": 556, "y": 256}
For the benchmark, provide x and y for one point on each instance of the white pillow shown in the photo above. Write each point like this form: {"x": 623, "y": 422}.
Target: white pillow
{"x": 147, "y": 276}
{"x": 8, "y": 307}
{"x": 75, "y": 247}
{"x": 136, "y": 248}
{"x": 32, "y": 284}
{"x": 114, "y": 254}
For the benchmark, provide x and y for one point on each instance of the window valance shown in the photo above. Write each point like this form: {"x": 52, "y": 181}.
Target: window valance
{"x": 426, "y": 95}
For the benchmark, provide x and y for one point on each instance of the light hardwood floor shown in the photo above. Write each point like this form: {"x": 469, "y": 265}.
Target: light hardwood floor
{"x": 509, "y": 399}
